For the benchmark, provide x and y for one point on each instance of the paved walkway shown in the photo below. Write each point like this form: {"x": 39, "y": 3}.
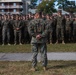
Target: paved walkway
{"x": 28, "y": 56}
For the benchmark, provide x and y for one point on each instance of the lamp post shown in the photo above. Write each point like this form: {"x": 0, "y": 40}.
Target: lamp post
{"x": 26, "y": 7}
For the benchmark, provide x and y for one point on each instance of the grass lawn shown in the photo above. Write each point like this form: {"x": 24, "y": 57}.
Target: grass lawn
{"x": 23, "y": 68}
{"x": 27, "y": 48}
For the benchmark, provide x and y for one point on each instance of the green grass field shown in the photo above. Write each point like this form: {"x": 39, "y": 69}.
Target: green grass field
{"x": 23, "y": 68}
{"x": 27, "y": 48}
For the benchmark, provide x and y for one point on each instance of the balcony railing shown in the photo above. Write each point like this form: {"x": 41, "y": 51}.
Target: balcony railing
{"x": 2, "y": 7}
{"x": 10, "y": 12}
{"x": 9, "y": 7}
{"x": 18, "y": 6}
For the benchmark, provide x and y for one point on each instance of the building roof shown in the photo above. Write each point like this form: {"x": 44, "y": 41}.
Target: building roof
{"x": 13, "y": 0}
{"x": 28, "y": 1}
{"x": 10, "y": 0}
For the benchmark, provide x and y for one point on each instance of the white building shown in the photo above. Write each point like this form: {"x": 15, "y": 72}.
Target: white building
{"x": 14, "y": 6}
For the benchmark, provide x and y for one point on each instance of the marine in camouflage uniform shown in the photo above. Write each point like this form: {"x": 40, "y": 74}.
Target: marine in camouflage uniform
{"x": 72, "y": 20}
{"x": 60, "y": 27}
{"x": 0, "y": 28}
{"x": 5, "y": 30}
{"x": 54, "y": 28}
{"x": 17, "y": 30}
{"x": 74, "y": 30}
{"x": 38, "y": 30}
{"x": 68, "y": 29}
{"x": 11, "y": 25}
{"x": 25, "y": 35}
{"x": 49, "y": 22}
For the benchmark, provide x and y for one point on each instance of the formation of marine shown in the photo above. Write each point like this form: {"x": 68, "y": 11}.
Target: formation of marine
{"x": 14, "y": 28}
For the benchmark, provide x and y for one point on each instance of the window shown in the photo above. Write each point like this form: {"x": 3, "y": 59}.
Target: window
{"x": 14, "y": 10}
{"x": 2, "y": 4}
{"x": 14, "y": 4}
{"x": 2, "y": 10}
{"x": 21, "y": 6}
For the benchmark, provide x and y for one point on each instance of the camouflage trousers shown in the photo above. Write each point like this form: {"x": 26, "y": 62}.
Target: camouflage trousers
{"x": 60, "y": 34}
{"x": 74, "y": 35}
{"x": 49, "y": 38}
{"x": 43, "y": 51}
{"x": 17, "y": 34}
{"x": 4, "y": 34}
{"x": 68, "y": 35}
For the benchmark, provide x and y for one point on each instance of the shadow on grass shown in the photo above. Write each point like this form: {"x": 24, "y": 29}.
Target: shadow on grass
{"x": 65, "y": 65}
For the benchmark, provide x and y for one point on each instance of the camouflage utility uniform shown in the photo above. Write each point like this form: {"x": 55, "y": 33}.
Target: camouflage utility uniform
{"x": 5, "y": 31}
{"x": 0, "y": 29}
{"x": 17, "y": 31}
{"x": 74, "y": 30}
{"x": 68, "y": 29}
{"x": 60, "y": 28}
{"x": 49, "y": 23}
{"x": 38, "y": 27}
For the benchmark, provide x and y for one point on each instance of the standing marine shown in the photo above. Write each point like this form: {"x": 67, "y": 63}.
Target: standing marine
{"x": 38, "y": 30}
{"x": 60, "y": 27}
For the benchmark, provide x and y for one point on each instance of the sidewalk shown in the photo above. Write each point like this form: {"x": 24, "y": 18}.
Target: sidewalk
{"x": 28, "y": 56}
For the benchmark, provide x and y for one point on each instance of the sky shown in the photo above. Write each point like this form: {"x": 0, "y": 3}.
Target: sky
{"x": 39, "y": 1}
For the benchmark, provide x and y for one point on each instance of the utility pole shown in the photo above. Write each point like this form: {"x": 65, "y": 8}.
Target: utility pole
{"x": 25, "y": 7}
{"x": 23, "y": 1}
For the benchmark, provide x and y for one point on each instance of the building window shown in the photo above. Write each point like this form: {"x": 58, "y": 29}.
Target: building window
{"x": 2, "y": 10}
{"x": 2, "y": 4}
{"x": 14, "y": 4}
{"x": 14, "y": 10}
{"x": 20, "y": 6}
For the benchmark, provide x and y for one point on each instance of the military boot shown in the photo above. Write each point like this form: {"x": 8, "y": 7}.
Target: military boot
{"x": 20, "y": 43}
{"x": 33, "y": 69}
{"x": 3, "y": 44}
{"x": 44, "y": 68}
{"x": 63, "y": 42}
{"x": 15, "y": 43}
{"x": 56, "y": 42}
{"x": 50, "y": 42}
{"x": 9, "y": 44}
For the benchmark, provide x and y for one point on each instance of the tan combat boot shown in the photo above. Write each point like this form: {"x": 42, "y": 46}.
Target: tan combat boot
{"x": 44, "y": 68}
{"x": 56, "y": 42}
{"x": 50, "y": 42}
{"x": 33, "y": 69}
{"x": 63, "y": 42}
